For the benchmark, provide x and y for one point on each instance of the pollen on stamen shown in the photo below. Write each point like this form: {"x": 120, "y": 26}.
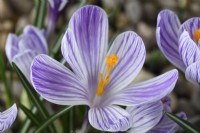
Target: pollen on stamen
{"x": 197, "y": 35}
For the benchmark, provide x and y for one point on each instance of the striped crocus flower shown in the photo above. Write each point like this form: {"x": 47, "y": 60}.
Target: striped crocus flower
{"x": 22, "y": 50}
{"x": 7, "y": 118}
{"x": 98, "y": 78}
{"x": 55, "y": 6}
{"x": 150, "y": 118}
{"x": 180, "y": 43}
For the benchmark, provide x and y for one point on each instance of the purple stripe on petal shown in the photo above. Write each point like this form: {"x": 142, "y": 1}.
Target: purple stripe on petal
{"x": 189, "y": 51}
{"x": 7, "y": 118}
{"x": 167, "y": 30}
{"x": 109, "y": 118}
{"x": 56, "y": 83}
{"x": 192, "y": 72}
{"x": 145, "y": 92}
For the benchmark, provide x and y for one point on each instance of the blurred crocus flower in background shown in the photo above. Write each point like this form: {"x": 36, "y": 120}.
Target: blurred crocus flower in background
{"x": 99, "y": 79}
{"x": 180, "y": 43}
{"x": 55, "y": 6}
{"x": 150, "y": 118}
{"x": 7, "y": 118}
{"x": 22, "y": 50}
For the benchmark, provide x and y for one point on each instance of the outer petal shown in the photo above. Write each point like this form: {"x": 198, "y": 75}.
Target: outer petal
{"x": 37, "y": 39}
{"x": 188, "y": 49}
{"x": 88, "y": 39}
{"x": 192, "y": 72}
{"x": 145, "y": 116}
{"x": 167, "y": 37}
{"x": 24, "y": 60}
{"x": 11, "y": 46}
{"x": 191, "y": 25}
{"x": 7, "y": 118}
{"x": 109, "y": 118}
{"x": 130, "y": 50}
{"x": 57, "y": 84}
{"x": 145, "y": 92}
{"x": 166, "y": 125}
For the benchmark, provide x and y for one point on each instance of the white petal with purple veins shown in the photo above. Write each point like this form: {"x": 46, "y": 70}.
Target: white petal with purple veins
{"x": 57, "y": 84}
{"x": 145, "y": 92}
{"x": 192, "y": 72}
{"x": 188, "y": 49}
{"x": 109, "y": 118}
{"x": 167, "y": 37}
{"x": 130, "y": 50}
{"x": 145, "y": 116}
{"x": 7, "y": 118}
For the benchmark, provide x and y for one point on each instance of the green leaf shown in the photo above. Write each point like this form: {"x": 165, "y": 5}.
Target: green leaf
{"x": 188, "y": 127}
{"x": 40, "y": 12}
{"x": 52, "y": 118}
{"x": 30, "y": 114}
{"x": 9, "y": 99}
{"x": 33, "y": 95}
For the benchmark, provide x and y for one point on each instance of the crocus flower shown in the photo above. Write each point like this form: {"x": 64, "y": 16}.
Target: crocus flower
{"x": 22, "y": 50}
{"x": 180, "y": 43}
{"x": 7, "y": 118}
{"x": 150, "y": 118}
{"x": 98, "y": 78}
{"x": 56, "y": 6}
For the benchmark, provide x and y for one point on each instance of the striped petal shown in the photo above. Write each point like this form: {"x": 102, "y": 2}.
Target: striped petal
{"x": 34, "y": 39}
{"x": 109, "y": 118}
{"x": 7, "y": 118}
{"x": 86, "y": 45}
{"x": 166, "y": 125}
{"x": 130, "y": 50}
{"x": 167, "y": 30}
{"x": 11, "y": 48}
{"x": 23, "y": 61}
{"x": 192, "y": 72}
{"x": 188, "y": 49}
{"x": 145, "y": 92}
{"x": 145, "y": 116}
{"x": 191, "y": 25}
{"x": 55, "y": 83}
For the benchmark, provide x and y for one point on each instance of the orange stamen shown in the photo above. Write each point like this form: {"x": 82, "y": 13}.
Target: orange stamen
{"x": 197, "y": 35}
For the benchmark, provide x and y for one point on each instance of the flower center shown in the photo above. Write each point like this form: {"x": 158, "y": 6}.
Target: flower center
{"x": 111, "y": 61}
{"x": 197, "y": 35}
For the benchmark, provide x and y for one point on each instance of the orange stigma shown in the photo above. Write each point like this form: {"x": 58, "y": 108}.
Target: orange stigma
{"x": 197, "y": 35}
{"x": 111, "y": 61}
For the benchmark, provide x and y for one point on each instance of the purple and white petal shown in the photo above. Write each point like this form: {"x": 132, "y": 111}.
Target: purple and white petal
{"x": 109, "y": 118}
{"x": 145, "y": 92}
{"x": 89, "y": 31}
{"x": 192, "y": 73}
{"x": 23, "y": 62}
{"x": 7, "y": 118}
{"x": 189, "y": 51}
{"x": 166, "y": 125}
{"x": 62, "y": 4}
{"x": 11, "y": 48}
{"x": 145, "y": 116}
{"x": 130, "y": 50}
{"x": 191, "y": 25}
{"x": 167, "y": 30}
{"x": 34, "y": 39}
{"x": 57, "y": 84}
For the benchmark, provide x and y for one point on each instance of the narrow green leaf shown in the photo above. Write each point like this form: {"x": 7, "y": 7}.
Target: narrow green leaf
{"x": 188, "y": 127}
{"x": 40, "y": 12}
{"x": 30, "y": 115}
{"x": 9, "y": 99}
{"x": 33, "y": 95}
{"x": 52, "y": 118}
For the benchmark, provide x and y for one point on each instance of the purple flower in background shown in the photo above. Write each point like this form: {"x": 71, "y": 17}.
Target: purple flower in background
{"x": 7, "y": 118}
{"x": 56, "y": 6}
{"x": 22, "y": 50}
{"x": 150, "y": 118}
{"x": 99, "y": 79}
{"x": 180, "y": 43}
